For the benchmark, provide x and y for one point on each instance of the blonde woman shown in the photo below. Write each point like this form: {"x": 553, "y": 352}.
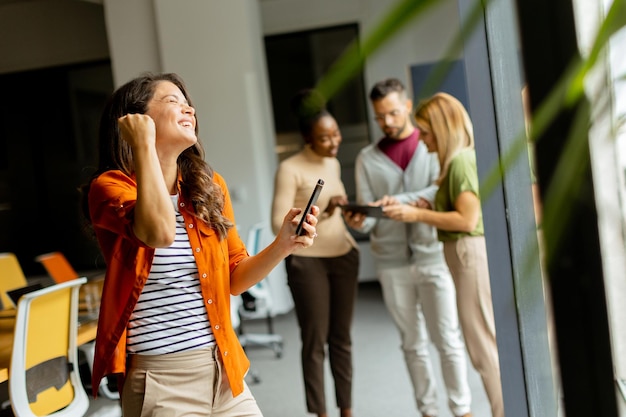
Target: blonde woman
{"x": 445, "y": 128}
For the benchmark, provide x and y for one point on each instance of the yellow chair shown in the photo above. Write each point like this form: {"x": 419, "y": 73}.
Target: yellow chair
{"x": 11, "y": 277}
{"x": 44, "y": 378}
{"x": 60, "y": 270}
{"x": 57, "y": 266}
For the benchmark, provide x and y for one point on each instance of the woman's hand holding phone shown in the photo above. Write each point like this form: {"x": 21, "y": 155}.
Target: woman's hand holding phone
{"x": 300, "y": 231}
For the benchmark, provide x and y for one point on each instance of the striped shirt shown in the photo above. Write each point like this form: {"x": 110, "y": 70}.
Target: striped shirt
{"x": 170, "y": 315}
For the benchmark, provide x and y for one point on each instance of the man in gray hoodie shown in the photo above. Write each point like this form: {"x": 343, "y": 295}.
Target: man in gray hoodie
{"x": 417, "y": 286}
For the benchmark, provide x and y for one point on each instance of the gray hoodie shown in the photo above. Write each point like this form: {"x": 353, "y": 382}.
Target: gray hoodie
{"x": 395, "y": 243}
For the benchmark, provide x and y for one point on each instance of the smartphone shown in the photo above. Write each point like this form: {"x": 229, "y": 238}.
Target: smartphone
{"x": 316, "y": 193}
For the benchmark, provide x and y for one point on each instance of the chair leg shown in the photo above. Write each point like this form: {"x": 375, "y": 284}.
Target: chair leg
{"x": 89, "y": 349}
{"x": 270, "y": 324}
{"x": 104, "y": 390}
{"x": 252, "y": 377}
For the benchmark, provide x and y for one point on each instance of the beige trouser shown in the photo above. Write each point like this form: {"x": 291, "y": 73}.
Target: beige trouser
{"x": 186, "y": 384}
{"x": 467, "y": 260}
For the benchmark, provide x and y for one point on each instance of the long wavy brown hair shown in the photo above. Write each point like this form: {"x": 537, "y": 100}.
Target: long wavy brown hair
{"x": 115, "y": 154}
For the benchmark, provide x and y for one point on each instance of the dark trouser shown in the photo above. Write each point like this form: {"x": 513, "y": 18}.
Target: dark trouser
{"x": 324, "y": 291}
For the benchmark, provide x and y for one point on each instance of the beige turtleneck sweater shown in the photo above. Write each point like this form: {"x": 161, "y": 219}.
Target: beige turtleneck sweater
{"x": 293, "y": 184}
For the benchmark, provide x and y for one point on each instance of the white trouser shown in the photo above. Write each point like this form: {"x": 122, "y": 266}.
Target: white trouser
{"x": 422, "y": 301}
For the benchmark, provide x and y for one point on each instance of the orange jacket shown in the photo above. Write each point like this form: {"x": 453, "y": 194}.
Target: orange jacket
{"x": 112, "y": 197}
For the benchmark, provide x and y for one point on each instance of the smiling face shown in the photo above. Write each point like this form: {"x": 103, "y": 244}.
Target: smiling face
{"x": 174, "y": 118}
{"x": 325, "y": 137}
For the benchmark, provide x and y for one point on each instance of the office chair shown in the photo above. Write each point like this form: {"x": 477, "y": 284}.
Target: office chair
{"x": 44, "y": 378}
{"x": 11, "y": 277}
{"x": 57, "y": 266}
{"x": 60, "y": 270}
{"x": 257, "y": 302}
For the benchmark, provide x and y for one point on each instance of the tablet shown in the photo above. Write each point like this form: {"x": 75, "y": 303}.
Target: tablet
{"x": 370, "y": 211}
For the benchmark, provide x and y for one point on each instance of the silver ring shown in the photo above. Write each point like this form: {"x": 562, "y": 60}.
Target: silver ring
{"x": 314, "y": 234}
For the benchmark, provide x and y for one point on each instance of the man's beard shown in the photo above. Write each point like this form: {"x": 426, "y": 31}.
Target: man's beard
{"x": 394, "y": 132}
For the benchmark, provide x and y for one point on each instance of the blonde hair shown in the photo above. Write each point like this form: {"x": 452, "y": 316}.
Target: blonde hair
{"x": 447, "y": 120}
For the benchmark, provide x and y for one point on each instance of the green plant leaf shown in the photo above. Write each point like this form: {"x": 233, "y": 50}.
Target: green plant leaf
{"x": 351, "y": 61}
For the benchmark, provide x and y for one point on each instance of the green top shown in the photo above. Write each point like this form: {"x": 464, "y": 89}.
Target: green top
{"x": 462, "y": 176}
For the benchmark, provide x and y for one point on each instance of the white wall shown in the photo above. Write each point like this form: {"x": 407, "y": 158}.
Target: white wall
{"x": 133, "y": 38}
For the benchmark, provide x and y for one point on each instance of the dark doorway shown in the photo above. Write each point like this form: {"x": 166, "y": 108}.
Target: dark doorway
{"x": 48, "y": 148}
